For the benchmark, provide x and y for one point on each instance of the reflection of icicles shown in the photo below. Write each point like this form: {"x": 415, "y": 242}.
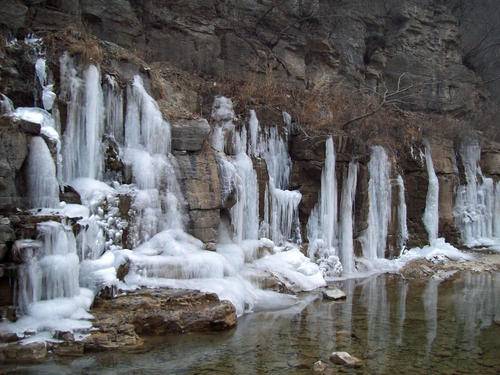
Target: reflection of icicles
{"x": 379, "y": 212}
{"x": 43, "y": 188}
{"x": 348, "y": 288}
{"x": 430, "y": 298}
{"x": 402, "y": 215}
{"x": 403, "y": 290}
{"x": 431, "y": 214}
{"x": 374, "y": 294}
{"x": 346, "y": 218}
{"x": 477, "y": 305}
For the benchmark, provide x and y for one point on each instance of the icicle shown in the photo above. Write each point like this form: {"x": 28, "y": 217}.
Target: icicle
{"x": 159, "y": 200}
{"x": 245, "y": 213}
{"x": 322, "y": 224}
{"x": 43, "y": 188}
{"x": 52, "y": 271}
{"x": 402, "y": 216}
{"x": 144, "y": 124}
{"x": 431, "y": 214}
{"x": 475, "y": 202}
{"x": 82, "y": 144}
{"x": 113, "y": 100}
{"x": 253, "y": 128}
{"x": 284, "y": 214}
{"x": 274, "y": 150}
{"x": 379, "y": 212}
{"x": 496, "y": 214}
{"x": 48, "y": 96}
{"x": 223, "y": 115}
{"x": 346, "y": 218}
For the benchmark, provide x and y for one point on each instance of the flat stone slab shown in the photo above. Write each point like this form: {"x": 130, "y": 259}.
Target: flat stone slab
{"x": 122, "y": 321}
{"x": 333, "y": 294}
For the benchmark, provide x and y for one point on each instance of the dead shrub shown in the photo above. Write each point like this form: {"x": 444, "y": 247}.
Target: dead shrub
{"x": 78, "y": 42}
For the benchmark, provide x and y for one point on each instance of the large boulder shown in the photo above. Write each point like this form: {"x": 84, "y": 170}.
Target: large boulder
{"x": 122, "y": 321}
{"x": 201, "y": 186}
{"x": 189, "y": 135}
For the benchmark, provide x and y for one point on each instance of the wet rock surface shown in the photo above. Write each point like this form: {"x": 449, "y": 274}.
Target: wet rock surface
{"x": 423, "y": 269}
{"x": 345, "y": 359}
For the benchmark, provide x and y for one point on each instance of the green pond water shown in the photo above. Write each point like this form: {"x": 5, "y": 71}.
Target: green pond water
{"x": 392, "y": 325}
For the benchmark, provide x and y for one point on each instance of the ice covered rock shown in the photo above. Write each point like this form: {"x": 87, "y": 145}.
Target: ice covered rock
{"x": 345, "y": 359}
{"x": 333, "y": 294}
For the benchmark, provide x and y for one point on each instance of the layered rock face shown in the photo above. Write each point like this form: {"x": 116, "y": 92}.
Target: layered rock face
{"x": 308, "y": 43}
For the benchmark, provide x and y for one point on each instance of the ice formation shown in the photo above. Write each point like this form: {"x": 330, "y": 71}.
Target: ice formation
{"x": 43, "y": 187}
{"x": 346, "y": 226}
{"x": 431, "y": 213}
{"x": 322, "y": 225}
{"x": 63, "y": 273}
{"x": 402, "y": 214}
{"x": 477, "y": 203}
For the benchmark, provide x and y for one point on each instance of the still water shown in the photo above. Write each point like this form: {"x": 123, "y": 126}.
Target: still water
{"x": 394, "y": 326}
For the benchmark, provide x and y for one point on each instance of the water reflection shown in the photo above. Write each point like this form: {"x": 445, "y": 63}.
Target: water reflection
{"x": 430, "y": 299}
{"x": 403, "y": 290}
{"x": 393, "y": 325}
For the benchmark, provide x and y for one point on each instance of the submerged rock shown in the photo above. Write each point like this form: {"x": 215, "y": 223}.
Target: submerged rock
{"x": 23, "y": 353}
{"x": 333, "y": 294}
{"x": 345, "y": 359}
{"x": 320, "y": 367}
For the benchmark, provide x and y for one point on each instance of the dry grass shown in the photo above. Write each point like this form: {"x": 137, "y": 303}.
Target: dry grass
{"x": 327, "y": 110}
{"x": 78, "y": 42}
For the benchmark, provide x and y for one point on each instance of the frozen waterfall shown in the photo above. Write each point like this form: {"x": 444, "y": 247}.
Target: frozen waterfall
{"x": 379, "y": 211}
{"x": 82, "y": 149}
{"x": 477, "y": 203}
{"x": 43, "y": 187}
{"x": 402, "y": 214}
{"x": 346, "y": 227}
{"x": 322, "y": 224}
{"x": 431, "y": 213}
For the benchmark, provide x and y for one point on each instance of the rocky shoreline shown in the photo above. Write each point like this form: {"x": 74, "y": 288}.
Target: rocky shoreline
{"x": 125, "y": 321}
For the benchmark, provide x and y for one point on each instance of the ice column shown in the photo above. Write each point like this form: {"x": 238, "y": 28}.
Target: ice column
{"x": 43, "y": 188}
{"x": 379, "y": 211}
{"x": 402, "y": 214}
{"x": 82, "y": 144}
{"x": 476, "y": 202}
{"x": 51, "y": 266}
{"x": 322, "y": 223}
{"x": 431, "y": 213}
{"x": 347, "y": 218}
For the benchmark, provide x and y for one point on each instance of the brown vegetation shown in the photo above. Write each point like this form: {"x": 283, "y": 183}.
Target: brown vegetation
{"x": 77, "y": 42}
